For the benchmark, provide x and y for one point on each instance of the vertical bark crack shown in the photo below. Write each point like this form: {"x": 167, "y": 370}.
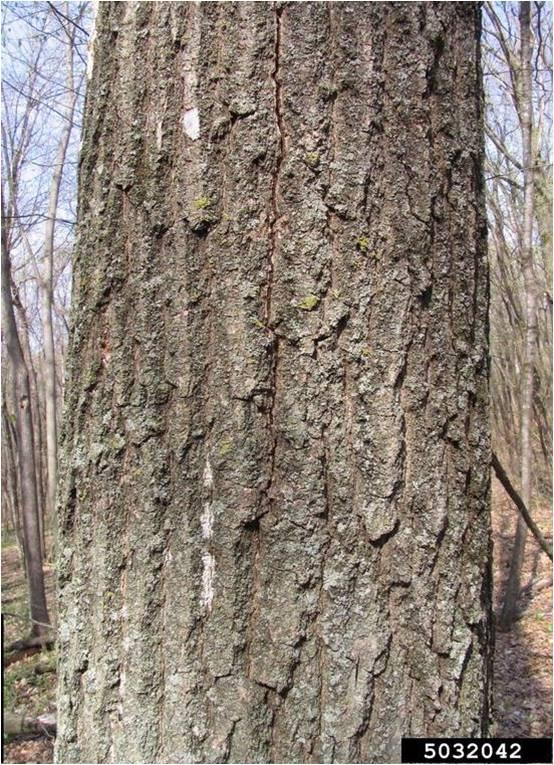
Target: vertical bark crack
{"x": 273, "y": 234}
{"x": 274, "y": 217}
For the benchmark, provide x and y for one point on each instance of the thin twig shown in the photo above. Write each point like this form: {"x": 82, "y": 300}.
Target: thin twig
{"x": 27, "y": 619}
{"x": 520, "y": 504}
{"x": 71, "y": 21}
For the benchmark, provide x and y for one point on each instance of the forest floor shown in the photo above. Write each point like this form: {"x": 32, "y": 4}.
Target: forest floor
{"x": 523, "y": 656}
{"x": 29, "y": 685}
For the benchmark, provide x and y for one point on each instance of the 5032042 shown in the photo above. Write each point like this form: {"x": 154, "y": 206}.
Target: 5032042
{"x": 474, "y": 750}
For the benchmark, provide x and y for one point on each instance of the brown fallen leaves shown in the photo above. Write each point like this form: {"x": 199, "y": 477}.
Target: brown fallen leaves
{"x": 523, "y": 656}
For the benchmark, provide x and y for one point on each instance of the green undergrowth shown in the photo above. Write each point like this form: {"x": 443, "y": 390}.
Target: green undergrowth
{"x": 8, "y": 539}
{"x": 30, "y": 685}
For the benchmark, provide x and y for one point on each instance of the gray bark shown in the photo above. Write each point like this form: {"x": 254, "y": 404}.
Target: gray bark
{"x": 275, "y": 449}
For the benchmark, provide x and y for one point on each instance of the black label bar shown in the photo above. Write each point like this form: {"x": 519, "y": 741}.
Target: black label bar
{"x": 479, "y": 750}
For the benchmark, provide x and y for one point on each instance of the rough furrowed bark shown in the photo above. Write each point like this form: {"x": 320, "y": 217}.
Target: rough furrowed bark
{"x": 275, "y": 450}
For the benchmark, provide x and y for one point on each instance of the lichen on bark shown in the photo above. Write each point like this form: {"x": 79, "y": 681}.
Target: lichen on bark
{"x": 280, "y": 550}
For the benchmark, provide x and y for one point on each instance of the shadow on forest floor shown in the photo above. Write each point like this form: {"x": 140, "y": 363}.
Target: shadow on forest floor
{"x": 523, "y": 656}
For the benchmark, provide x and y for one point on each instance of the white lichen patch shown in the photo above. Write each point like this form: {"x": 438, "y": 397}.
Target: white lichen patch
{"x": 207, "y": 521}
{"x": 208, "y": 576}
{"x": 208, "y": 477}
{"x": 191, "y": 123}
{"x": 90, "y": 58}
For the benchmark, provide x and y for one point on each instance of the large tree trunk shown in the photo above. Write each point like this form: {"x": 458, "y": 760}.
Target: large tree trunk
{"x": 276, "y": 449}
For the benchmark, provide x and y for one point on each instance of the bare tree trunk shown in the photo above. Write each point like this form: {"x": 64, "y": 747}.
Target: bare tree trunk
{"x": 275, "y": 451}
{"x": 10, "y": 485}
{"x": 37, "y": 416}
{"x": 47, "y": 285}
{"x": 40, "y": 463}
{"x": 26, "y": 453}
{"x": 513, "y": 586}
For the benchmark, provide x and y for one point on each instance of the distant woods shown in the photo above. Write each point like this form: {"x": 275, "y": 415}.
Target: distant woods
{"x": 517, "y": 62}
{"x": 44, "y": 53}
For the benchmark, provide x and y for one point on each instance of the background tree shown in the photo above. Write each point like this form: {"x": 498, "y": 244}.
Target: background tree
{"x": 24, "y": 437}
{"x": 43, "y": 46}
{"x": 276, "y": 455}
{"x": 518, "y": 67}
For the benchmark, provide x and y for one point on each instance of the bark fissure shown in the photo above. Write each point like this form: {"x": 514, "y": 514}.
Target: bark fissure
{"x": 301, "y": 328}
{"x": 273, "y": 242}
{"x": 280, "y": 152}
